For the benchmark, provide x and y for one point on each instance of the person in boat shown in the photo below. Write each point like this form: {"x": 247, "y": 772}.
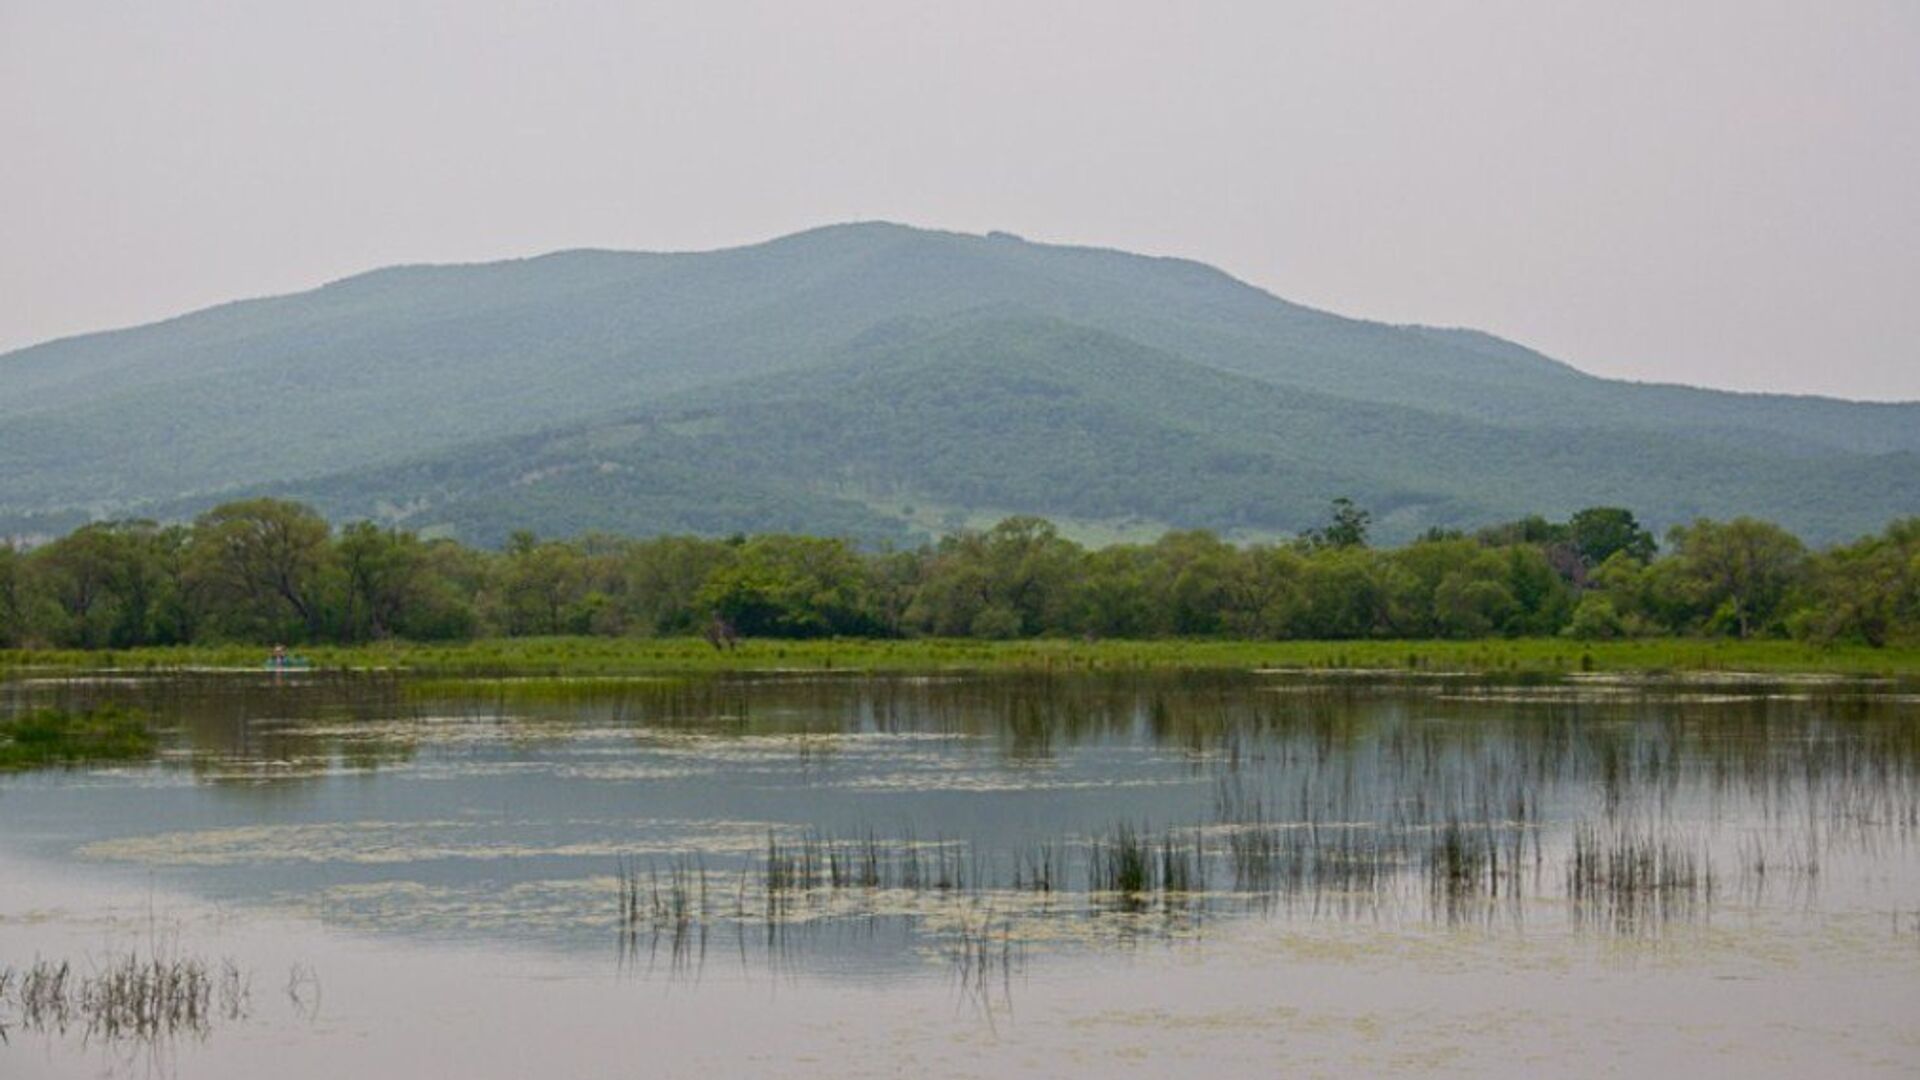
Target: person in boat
{"x": 279, "y": 657}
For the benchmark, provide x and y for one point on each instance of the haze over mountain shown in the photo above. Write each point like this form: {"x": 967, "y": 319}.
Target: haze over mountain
{"x": 882, "y": 381}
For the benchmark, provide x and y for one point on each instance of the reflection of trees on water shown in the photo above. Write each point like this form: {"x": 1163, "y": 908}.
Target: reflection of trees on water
{"x": 252, "y": 727}
{"x": 1734, "y": 732}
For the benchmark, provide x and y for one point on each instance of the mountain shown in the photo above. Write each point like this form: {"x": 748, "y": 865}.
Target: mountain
{"x": 881, "y": 381}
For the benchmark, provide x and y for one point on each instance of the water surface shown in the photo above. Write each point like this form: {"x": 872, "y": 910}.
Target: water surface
{"x": 992, "y": 874}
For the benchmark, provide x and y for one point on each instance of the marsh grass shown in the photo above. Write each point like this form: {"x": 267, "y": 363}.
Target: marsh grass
{"x": 1121, "y": 863}
{"x": 52, "y": 738}
{"x": 1471, "y": 866}
{"x": 1765, "y": 869}
{"x": 1039, "y": 867}
{"x": 673, "y": 909}
{"x": 303, "y": 991}
{"x": 1128, "y": 868}
{"x": 983, "y": 959}
{"x": 129, "y": 996}
{"x": 1329, "y": 857}
{"x": 1635, "y": 880}
{"x": 672, "y": 901}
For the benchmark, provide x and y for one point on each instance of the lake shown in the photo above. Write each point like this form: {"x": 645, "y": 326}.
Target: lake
{"x": 818, "y": 874}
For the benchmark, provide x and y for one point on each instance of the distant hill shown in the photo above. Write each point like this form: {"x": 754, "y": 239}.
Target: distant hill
{"x": 882, "y": 382}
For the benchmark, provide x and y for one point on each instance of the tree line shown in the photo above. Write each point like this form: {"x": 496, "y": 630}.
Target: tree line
{"x": 264, "y": 570}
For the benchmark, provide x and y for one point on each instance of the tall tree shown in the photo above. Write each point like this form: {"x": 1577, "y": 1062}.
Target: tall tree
{"x": 544, "y": 583}
{"x": 382, "y": 569}
{"x": 265, "y": 561}
{"x": 1347, "y": 527}
{"x": 105, "y": 582}
{"x": 1598, "y": 532}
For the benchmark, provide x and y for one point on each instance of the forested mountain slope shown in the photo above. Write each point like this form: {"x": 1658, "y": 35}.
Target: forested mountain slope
{"x": 1019, "y": 412}
{"x": 853, "y": 367}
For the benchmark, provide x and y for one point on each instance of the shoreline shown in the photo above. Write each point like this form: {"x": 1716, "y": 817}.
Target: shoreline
{"x": 570, "y": 656}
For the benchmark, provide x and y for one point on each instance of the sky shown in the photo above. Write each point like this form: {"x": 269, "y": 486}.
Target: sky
{"x": 1719, "y": 193}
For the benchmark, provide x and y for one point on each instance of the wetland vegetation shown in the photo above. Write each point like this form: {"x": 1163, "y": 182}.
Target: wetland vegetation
{"x": 56, "y": 737}
{"x": 127, "y": 997}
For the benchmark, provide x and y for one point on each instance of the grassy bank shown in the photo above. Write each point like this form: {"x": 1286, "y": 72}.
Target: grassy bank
{"x": 54, "y": 737}
{"x": 613, "y": 656}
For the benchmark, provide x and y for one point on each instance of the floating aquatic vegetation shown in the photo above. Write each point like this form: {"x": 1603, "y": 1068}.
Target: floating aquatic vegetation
{"x": 399, "y": 843}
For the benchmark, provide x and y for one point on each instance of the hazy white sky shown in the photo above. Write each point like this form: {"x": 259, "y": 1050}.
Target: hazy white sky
{"x": 1725, "y": 193}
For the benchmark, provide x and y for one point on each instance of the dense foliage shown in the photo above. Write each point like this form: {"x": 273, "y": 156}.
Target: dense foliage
{"x": 270, "y": 571}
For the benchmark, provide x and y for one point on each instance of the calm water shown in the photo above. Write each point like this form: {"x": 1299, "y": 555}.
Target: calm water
{"x": 984, "y": 874}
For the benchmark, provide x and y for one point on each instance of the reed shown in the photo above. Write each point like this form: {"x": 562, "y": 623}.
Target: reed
{"x": 1634, "y": 880}
{"x": 1121, "y": 863}
{"x": 128, "y": 997}
{"x": 1039, "y": 867}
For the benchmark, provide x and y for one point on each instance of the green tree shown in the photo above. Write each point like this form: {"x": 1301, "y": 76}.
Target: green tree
{"x": 1543, "y": 600}
{"x": 1595, "y": 619}
{"x": 793, "y": 586}
{"x": 1420, "y": 568}
{"x": 955, "y": 588}
{"x": 76, "y": 573}
{"x": 386, "y": 580}
{"x": 1532, "y": 529}
{"x": 1347, "y": 595}
{"x": 1466, "y": 606}
{"x": 1347, "y": 527}
{"x": 181, "y": 604}
{"x": 139, "y": 584}
{"x": 454, "y": 583}
{"x": 107, "y": 585}
{"x": 1114, "y": 596}
{"x": 661, "y": 580}
{"x": 544, "y": 583}
{"x": 1031, "y": 568}
{"x": 1020, "y": 566}
{"x": 263, "y": 564}
{"x": 1741, "y": 571}
{"x": 1202, "y": 574}
{"x": 1867, "y": 591}
{"x": 1600, "y": 532}
{"x": 1272, "y": 600}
